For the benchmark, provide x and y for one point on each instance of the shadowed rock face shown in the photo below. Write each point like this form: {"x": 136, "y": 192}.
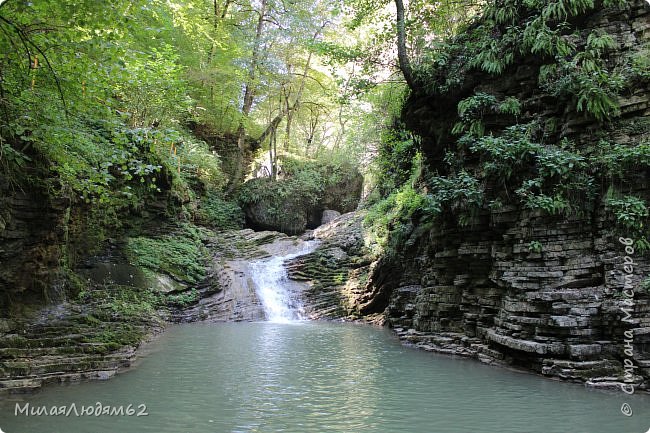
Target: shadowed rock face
{"x": 329, "y": 216}
{"x": 32, "y": 239}
{"x": 479, "y": 289}
{"x": 289, "y": 215}
{"x": 40, "y": 233}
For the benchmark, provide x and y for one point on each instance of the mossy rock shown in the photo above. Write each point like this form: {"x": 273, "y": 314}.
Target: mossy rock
{"x": 296, "y": 202}
{"x": 288, "y": 215}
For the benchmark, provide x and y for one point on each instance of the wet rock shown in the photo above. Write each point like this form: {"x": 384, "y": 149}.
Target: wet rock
{"x": 329, "y": 216}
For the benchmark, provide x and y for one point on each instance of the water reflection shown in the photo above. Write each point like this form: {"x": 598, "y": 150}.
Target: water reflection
{"x": 318, "y": 377}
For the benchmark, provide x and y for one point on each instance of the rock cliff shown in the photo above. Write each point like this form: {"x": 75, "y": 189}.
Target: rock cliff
{"x": 520, "y": 286}
{"x": 550, "y": 292}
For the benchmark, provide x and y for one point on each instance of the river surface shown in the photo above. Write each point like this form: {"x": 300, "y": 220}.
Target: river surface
{"x": 321, "y": 377}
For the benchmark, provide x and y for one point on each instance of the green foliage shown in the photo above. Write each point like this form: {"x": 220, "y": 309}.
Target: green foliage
{"x": 546, "y": 174}
{"x": 554, "y": 178}
{"x": 562, "y": 9}
{"x": 617, "y": 160}
{"x": 303, "y": 184}
{"x": 180, "y": 254}
{"x": 100, "y": 118}
{"x": 510, "y": 105}
{"x": 577, "y": 69}
{"x": 559, "y": 163}
{"x": 389, "y": 220}
{"x": 155, "y": 90}
{"x": 506, "y": 13}
{"x": 630, "y": 211}
{"x": 472, "y": 110}
{"x": 461, "y": 191}
{"x": 421, "y": 199}
{"x": 219, "y": 213}
{"x": 182, "y": 300}
{"x": 113, "y": 301}
{"x": 200, "y": 168}
{"x": 586, "y": 76}
{"x": 535, "y": 247}
{"x": 639, "y": 63}
{"x": 394, "y": 162}
{"x": 555, "y": 204}
{"x": 538, "y": 38}
{"x": 642, "y": 244}
{"x": 506, "y": 154}
{"x": 306, "y": 186}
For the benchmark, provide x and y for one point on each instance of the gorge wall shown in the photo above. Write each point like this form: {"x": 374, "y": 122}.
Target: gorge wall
{"x": 31, "y": 243}
{"x": 546, "y": 291}
{"x": 44, "y": 236}
{"x": 478, "y": 287}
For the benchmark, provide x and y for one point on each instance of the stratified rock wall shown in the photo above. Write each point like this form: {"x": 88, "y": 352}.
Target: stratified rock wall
{"x": 479, "y": 289}
{"x": 481, "y": 292}
{"x": 32, "y": 235}
{"x": 43, "y": 235}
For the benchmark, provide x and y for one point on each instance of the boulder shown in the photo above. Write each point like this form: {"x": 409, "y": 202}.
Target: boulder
{"x": 344, "y": 195}
{"x": 289, "y": 217}
{"x": 288, "y": 206}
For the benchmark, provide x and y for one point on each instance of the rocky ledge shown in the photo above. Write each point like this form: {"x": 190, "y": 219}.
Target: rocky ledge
{"x": 462, "y": 296}
{"x": 70, "y": 342}
{"x": 103, "y": 329}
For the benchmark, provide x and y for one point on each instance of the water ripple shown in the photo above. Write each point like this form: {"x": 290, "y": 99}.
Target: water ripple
{"x": 319, "y": 377}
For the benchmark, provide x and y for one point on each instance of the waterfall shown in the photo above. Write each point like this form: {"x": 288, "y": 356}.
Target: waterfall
{"x": 280, "y": 297}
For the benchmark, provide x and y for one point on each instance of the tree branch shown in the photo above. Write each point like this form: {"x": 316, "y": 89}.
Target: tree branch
{"x": 26, "y": 41}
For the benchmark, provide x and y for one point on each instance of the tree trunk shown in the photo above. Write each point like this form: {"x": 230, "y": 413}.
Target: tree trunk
{"x": 402, "y": 55}
{"x": 274, "y": 161}
{"x": 249, "y": 91}
{"x": 219, "y": 15}
{"x": 249, "y": 95}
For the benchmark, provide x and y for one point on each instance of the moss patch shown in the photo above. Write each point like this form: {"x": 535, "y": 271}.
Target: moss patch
{"x": 180, "y": 254}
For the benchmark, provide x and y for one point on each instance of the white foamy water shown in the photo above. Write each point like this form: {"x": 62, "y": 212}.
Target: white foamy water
{"x": 280, "y": 297}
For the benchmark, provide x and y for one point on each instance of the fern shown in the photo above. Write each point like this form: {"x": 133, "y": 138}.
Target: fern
{"x": 555, "y": 11}
{"x": 490, "y": 60}
{"x": 504, "y": 14}
{"x": 510, "y": 105}
{"x": 599, "y": 43}
{"x": 596, "y": 95}
{"x": 577, "y": 7}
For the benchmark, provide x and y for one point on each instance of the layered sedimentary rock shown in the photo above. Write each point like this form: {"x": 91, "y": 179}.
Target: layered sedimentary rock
{"x": 511, "y": 285}
{"x": 519, "y": 286}
{"x": 32, "y": 238}
{"x": 481, "y": 292}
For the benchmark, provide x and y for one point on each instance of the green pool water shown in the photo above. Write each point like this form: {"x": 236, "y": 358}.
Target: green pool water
{"x": 320, "y": 377}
